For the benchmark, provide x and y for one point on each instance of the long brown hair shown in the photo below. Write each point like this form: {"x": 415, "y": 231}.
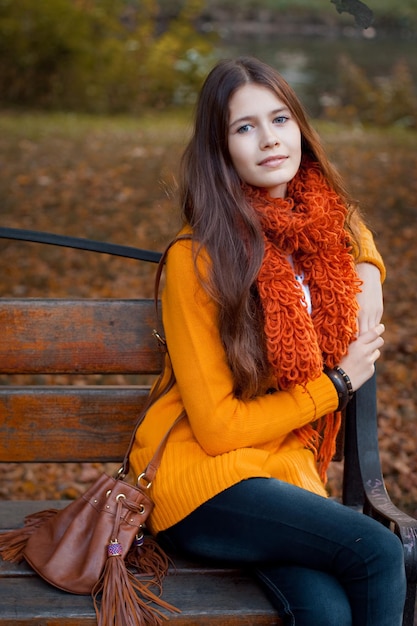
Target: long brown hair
{"x": 214, "y": 204}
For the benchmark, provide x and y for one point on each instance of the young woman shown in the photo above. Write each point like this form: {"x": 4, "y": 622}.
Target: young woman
{"x": 272, "y": 311}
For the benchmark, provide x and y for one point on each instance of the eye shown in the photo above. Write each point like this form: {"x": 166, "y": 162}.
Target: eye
{"x": 281, "y": 119}
{"x": 244, "y": 129}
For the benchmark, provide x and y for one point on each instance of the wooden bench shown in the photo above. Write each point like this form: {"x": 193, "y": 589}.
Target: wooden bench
{"x": 92, "y": 423}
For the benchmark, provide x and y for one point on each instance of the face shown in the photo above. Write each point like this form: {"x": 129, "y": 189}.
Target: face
{"x": 264, "y": 139}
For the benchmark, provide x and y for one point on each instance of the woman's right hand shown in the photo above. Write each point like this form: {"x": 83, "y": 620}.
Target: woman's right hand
{"x": 359, "y": 362}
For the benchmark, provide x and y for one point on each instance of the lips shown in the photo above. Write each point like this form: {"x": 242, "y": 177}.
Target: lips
{"x": 273, "y": 161}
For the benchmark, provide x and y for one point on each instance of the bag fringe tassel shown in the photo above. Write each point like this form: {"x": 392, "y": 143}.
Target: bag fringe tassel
{"x": 147, "y": 558}
{"x": 125, "y": 599}
{"x": 13, "y": 542}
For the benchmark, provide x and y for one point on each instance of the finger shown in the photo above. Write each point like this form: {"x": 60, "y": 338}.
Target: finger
{"x": 377, "y": 331}
{"x": 376, "y": 345}
{"x": 372, "y": 334}
{"x": 376, "y": 355}
{"x": 367, "y": 322}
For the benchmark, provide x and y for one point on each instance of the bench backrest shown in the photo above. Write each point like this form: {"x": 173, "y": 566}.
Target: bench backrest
{"x": 47, "y": 340}
{"x": 52, "y": 338}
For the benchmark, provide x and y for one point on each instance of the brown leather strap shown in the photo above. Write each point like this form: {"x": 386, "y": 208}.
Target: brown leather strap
{"x": 161, "y": 267}
{"x": 153, "y": 465}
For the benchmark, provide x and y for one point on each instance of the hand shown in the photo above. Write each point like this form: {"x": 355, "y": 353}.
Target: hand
{"x": 359, "y": 363}
{"x": 370, "y": 299}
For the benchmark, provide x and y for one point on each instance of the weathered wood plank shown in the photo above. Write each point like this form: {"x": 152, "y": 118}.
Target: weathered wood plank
{"x": 13, "y": 512}
{"x": 68, "y": 424}
{"x": 204, "y": 599}
{"x": 81, "y": 336}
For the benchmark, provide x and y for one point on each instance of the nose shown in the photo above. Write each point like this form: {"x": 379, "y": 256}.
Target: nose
{"x": 269, "y": 138}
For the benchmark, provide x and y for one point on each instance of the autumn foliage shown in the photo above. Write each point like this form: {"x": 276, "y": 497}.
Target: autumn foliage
{"x": 101, "y": 57}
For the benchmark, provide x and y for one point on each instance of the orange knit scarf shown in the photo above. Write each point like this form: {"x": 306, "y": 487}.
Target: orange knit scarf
{"x": 307, "y": 226}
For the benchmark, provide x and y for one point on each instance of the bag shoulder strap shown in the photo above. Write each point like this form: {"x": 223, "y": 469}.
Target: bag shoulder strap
{"x": 149, "y": 474}
{"x": 161, "y": 265}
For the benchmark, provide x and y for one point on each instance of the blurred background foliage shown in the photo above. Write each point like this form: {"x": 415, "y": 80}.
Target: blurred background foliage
{"x": 103, "y": 57}
{"x": 125, "y": 56}
{"x": 382, "y": 102}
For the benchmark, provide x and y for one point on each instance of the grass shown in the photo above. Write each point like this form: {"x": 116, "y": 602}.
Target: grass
{"x": 32, "y": 125}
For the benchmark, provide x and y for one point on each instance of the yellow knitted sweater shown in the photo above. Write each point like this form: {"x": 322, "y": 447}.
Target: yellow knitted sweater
{"x": 223, "y": 440}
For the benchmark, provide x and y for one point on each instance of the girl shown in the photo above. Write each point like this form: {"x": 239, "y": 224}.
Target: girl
{"x": 272, "y": 311}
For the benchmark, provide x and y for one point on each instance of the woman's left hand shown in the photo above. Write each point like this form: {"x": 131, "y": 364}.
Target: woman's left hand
{"x": 370, "y": 299}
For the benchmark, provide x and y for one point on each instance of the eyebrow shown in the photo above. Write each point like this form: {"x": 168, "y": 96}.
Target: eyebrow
{"x": 248, "y": 118}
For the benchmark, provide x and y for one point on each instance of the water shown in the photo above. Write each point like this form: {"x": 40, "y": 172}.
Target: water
{"x": 312, "y": 65}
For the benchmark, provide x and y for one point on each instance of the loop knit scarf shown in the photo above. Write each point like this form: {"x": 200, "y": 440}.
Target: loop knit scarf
{"x": 305, "y": 234}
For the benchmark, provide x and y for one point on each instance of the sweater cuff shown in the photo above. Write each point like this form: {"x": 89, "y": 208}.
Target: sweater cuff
{"x": 323, "y": 395}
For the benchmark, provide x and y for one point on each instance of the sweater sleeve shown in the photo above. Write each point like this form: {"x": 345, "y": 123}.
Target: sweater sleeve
{"x": 369, "y": 252}
{"x": 220, "y": 421}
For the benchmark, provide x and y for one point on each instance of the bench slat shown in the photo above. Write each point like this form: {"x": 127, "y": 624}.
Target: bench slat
{"x": 78, "y": 336}
{"x": 204, "y": 599}
{"x": 13, "y": 513}
{"x": 68, "y": 424}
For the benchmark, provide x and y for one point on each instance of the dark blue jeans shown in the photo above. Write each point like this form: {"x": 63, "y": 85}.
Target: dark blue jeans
{"x": 321, "y": 563}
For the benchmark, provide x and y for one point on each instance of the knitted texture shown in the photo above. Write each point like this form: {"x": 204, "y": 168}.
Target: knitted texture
{"x": 308, "y": 227}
